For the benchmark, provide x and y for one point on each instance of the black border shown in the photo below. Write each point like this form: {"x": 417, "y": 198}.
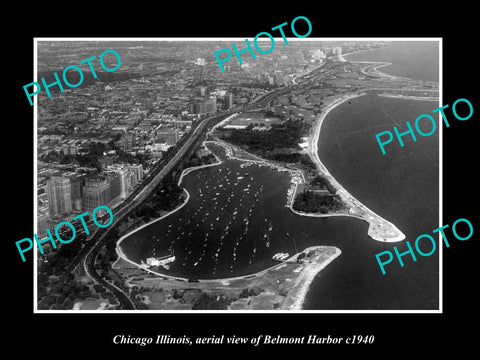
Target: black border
{"x": 91, "y": 334}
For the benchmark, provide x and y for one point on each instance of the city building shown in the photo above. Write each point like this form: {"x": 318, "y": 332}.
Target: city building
{"x": 42, "y": 225}
{"x": 211, "y": 105}
{"x": 125, "y": 184}
{"x": 204, "y": 106}
{"x": 76, "y": 185}
{"x": 318, "y": 55}
{"x": 96, "y": 192}
{"x": 59, "y": 193}
{"x": 182, "y": 123}
{"x": 137, "y": 170}
{"x": 114, "y": 180}
{"x": 69, "y": 149}
{"x": 166, "y": 135}
{"x": 127, "y": 142}
{"x": 228, "y": 101}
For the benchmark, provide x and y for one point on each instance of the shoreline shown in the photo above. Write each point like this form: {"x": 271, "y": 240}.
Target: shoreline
{"x": 295, "y": 298}
{"x": 229, "y": 152}
{"x": 379, "y": 228}
{"x": 371, "y": 68}
{"x": 297, "y": 294}
{"x": 284, "y": 286}
{"x": 408, "y": 97}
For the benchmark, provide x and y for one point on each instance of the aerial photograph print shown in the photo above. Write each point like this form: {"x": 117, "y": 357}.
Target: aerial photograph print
{"x": 186, "y": 175}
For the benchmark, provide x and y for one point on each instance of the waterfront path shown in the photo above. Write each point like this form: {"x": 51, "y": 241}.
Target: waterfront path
{"x": 379, "y": 229}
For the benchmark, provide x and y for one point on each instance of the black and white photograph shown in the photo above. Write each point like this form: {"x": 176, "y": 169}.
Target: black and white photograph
{"x": 247, "y": 184}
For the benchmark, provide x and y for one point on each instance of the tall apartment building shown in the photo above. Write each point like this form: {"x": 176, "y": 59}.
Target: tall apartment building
{"x": 137, "y": 170}
{"x": 96, "y": 192}
{"x": 59, "y": 193}
{"x": 125, "y": 184}
{"x": 228, "y": 101}
{"x": 115, "y": 181}
{"x": 204, "y": 106}
{"x": 127, "y": 142}
{"x": 211, "y": 105}
{"x": 76, "y": 184}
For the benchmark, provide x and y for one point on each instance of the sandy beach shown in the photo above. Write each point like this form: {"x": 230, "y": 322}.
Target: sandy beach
{"x": 379, "y": 229}
{"x": 410, "y": 97}
{"x": 296, "y": 296}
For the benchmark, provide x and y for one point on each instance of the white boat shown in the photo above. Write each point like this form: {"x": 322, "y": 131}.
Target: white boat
{"x": 280, "y": 256}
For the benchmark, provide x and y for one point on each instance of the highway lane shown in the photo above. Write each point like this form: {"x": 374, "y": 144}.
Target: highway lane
{"x": 98, "y": 236}
{"x": 90, "y": 252}
{"x": 89, "y": 267}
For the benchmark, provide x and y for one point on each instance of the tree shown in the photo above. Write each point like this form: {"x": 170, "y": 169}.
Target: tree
{"x": 177, "y": 295}
{"x": 319, "y": 181}
{"x": 207, "y": 302}
{"x": 331, "y": 188}
{"x": 68, "y": 303}
{"x": 254, "y": 291}
{"x": 99, "y": 288}
{"x": 244, "y": 293}
{"x": 323, "y": 209}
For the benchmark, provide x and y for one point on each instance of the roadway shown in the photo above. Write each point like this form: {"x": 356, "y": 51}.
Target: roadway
{"x": 158, "y": 172}
{"x": 175, "y": 154}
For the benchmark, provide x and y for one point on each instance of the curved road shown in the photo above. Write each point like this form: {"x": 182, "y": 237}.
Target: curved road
{"x": 158, "y": 172}
{"x": 136, "y": 198}
{"x": 89, "y": 267}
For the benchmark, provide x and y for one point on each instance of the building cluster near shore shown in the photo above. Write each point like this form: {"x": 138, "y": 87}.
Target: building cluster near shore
{"x": 65, "y": 194}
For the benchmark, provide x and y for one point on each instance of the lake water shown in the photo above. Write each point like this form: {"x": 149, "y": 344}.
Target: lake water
{"x": 233, "y": 223}
{"x": 401, "y": 186}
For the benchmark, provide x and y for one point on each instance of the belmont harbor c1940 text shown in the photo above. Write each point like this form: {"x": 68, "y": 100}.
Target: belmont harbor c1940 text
{"x": 255, "y": 340}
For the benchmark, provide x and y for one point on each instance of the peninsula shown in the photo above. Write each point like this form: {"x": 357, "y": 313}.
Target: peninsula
{"x": 379, "y": 228}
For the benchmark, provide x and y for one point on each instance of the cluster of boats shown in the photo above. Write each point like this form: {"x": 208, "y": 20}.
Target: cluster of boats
{"x": 217, "y": 220}
{"x": 222, "y": 216}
